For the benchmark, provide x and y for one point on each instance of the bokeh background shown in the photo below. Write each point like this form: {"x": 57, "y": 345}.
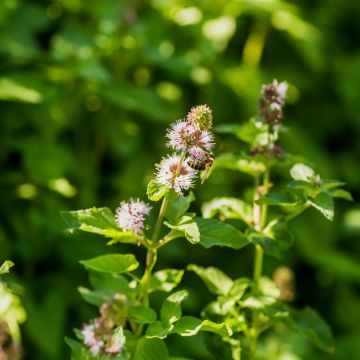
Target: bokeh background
{"x": 87, "y": 89}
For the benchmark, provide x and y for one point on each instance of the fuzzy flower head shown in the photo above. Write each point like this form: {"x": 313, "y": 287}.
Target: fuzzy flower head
{"x": 131, "y": 215}
{"x": 185, "y": 135}
{"x": 166, "y": 174}
{"x": 272, "y": 101}
{"x": 91, "y": 337}
{"x": 201, "y": 116}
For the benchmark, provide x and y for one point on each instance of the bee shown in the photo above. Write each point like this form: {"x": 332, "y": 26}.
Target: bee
{"x": 203, "y": 164}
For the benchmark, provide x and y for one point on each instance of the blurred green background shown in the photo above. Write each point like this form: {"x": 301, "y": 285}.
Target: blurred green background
{"x": 87, "y": 89}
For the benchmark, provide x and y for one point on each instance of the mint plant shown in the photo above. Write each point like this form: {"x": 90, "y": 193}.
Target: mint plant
{"x": 252, "y": 306}
{"x": 127, "y": 326}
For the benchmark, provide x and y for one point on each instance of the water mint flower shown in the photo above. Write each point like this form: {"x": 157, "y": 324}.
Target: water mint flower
{"x": 201, "y": 115}
{"x": 184, "y": 135}
{"x": 90, "y": 337}
{"x": 166, "y": 174}
{"x": 131, "y": 215}
{"x": 272, "y": 101}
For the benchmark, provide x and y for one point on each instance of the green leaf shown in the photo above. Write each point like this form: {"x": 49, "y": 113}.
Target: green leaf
{"x": 216, "y": 281}
{"x": 5, "y": 267}
{"x": 252, "y": 132}
{"x": 114, "y": 282}
{"x": 78, "y": 350}
{"x": 157, "y": 329}
{"x": 239, "y": 288}
{"x": 171, "y": 311}
{"x": 188, "y": 227}
{"x": 97, "y": 221}
{"x": 142, "y": 314}
{"x": 190, "y": 326}
{"x": 275, "y": 238}
{"x": 178, "y": 207}
{"x": 15, "y": 90}
{"x": 303, "y": 172}
{"x": 252, "y": 165}
{"x": 341, "y": 194}
{"x": 229, "y": 208}
{"x": 155, "y": 191}
{"x": 324, "y": 203}
{"x": 112, "y": 263}
{"x": 310, "y": 323}
{"x": 150, "y": 349}
{"x": 96, "y": 297}
{"x": 165, "y": 280}
{"x": 217, "y": 233}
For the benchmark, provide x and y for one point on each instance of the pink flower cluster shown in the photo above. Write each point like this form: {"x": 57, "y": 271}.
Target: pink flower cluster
{"x": 166, "y": 174}
{"x": 131, "y": 215}
{"x": 97, "y": 339}
{"x": 272, "y": 101}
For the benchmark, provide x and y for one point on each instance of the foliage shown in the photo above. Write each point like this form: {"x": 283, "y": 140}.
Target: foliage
{"x": 85, "y": 88}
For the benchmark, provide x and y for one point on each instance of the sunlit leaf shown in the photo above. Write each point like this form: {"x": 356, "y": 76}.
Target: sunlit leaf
{"x": 165, "y": 280}
{"x": 112, "y": 263}
{"x": 171, "y": 311}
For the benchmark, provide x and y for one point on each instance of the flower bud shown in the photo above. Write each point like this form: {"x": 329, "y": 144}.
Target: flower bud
{"x": 201, "y": 116}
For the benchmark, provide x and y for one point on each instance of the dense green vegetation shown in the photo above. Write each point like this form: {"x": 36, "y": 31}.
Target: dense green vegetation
{"x": 86, "y": 91}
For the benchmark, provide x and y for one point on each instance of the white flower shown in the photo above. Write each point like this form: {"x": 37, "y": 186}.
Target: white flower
{"x": 131, "y": 215}
{"x": 166, "y": 174}
{"x": 184, "y": 135}
{"x": 94, "y": 344}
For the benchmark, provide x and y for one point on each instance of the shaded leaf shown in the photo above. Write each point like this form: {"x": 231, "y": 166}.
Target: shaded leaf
{"x": 177, "y": 207}
{"x": 150, "y": 349}
{"x": 310, "y": 323}
{"x": 217, "y": 233}
{"x": 142, "y": 314}
{"x": 216, "y": 281}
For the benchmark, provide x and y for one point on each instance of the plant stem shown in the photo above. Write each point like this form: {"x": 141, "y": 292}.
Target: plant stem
{"x": 259, "y": 219}
{"x": 151, "y": 256}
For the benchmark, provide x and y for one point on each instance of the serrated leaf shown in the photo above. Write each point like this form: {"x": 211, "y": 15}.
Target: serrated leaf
{"x": 97, "y": 221}
{"x": 158, "y": 330}
{"x": 114, "y": 282}
{"x": 229, "y": 208}
{"x": 275, "y": 238}
{"x": 178, "y": 207}
{"x": 324, "y": 203}
{"x": 188, "y": 227}
{"x": 303, "y": 172}
{"x": 310, "y": 323}
{"x": 150, "y": 349}
{"x": 170, "y": 311}
{"x": 216, "y": 281}
{"x": 142, "y": 314}
{"x": 96, "y": 297}
{"x": 190, "y": 326}
{"x": 5, "y": 267}
{"x": 217, "y": 233}
{"x": 156, "y": 191}
{"x": 112, "y": 263}
{"x": 165, "y": 280}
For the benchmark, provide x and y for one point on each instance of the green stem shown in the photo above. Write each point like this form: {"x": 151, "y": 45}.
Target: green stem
{"x": 151, "y": 256}
{"x": 259, "y": 219}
